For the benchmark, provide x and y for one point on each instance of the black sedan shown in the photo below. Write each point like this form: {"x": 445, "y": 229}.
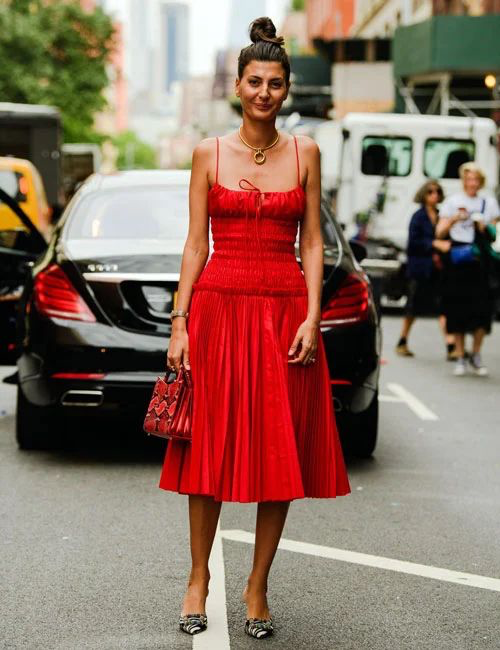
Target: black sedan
{"x": 93, "y": 328}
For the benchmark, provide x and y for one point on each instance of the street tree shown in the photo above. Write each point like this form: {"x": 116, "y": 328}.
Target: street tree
{"x": 56, "y": 53}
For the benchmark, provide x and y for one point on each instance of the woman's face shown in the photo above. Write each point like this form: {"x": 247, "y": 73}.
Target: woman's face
{"x": 262, "y": 89}
{"x": 432, "y": 196}
{"x": 472, "y": 183}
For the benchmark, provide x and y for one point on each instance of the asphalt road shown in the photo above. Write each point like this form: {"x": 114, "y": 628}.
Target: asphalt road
{"x": 95, "y": 556}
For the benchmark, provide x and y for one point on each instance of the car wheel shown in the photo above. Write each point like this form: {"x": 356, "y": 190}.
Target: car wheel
{"x": 363, "y": 428}
{"x": 35, "y": 425}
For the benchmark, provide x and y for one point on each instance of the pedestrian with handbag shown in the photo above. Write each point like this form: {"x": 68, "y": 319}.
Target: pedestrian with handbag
{"x": 467, "y": 296}
{"x": 246, "y": 326}
{"x": 424, "y": 265}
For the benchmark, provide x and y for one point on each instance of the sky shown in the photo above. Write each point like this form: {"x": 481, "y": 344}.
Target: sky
{"x": 208, "y": 26}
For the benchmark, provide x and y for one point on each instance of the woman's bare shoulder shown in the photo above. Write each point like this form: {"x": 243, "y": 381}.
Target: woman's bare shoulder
{"x": 306, "y": 144}
{"x": 205, "y": 148}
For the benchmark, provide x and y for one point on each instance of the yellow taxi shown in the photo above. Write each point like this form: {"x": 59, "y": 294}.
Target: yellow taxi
{"x": 21, "y": 180}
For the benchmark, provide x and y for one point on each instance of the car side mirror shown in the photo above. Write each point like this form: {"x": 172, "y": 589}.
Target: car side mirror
{"x": 358, "y": 249}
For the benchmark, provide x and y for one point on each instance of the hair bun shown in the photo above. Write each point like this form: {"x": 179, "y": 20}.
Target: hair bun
{"x": 263, "y": 29}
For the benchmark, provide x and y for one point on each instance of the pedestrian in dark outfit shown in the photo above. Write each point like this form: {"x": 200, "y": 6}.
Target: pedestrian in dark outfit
{"x": 423, "y": 268}
{"x": 263, "y": 424}
{"x": 467, "y": 296}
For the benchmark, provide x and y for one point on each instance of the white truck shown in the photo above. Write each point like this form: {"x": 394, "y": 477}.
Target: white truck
{"x": 373, "y": 164}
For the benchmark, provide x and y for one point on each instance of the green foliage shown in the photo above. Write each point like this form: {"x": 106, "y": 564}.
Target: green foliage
{"x": 55, "y": 53}
{"x": 133, "y": 153}
{"x": 298, "y": 5}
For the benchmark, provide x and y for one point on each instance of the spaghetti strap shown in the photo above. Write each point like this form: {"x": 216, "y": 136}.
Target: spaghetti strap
{"x": 217, "y": 163}
{"x": 297, "y": 156}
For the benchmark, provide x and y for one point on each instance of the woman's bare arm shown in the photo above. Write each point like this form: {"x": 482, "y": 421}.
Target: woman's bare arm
{"x": 311, "y": 253}
{"x": 310, "y": 237}
{"x": 443, "y": 226}
{"x": 195, "y": 251}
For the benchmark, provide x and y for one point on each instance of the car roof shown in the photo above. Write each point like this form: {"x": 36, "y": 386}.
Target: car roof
{"x": 10, "y": 162}
{"x": 419, "y": 120}
{"x": 135, "y": 178}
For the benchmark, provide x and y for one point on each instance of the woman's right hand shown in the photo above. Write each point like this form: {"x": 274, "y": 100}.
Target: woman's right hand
{"x": 178, "y": 349}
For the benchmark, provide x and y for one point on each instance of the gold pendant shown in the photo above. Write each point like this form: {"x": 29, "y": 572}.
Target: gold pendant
{"x": 259, "y": 157}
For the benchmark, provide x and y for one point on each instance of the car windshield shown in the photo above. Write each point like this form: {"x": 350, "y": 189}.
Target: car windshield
{"x": 13, "y": 184}
{"x": 149, "y": 219}
{"x": 131, "y": 220}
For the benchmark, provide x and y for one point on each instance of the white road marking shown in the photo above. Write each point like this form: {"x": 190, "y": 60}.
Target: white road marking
{"x": 216, "y": 636}
{"x": 389, "y": 398}
{"x": 377, "y": 561}
{"x": 418, "y": 407}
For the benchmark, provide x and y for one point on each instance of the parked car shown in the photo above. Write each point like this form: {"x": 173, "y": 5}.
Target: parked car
{"x": 22, "y": 181}
{"x": 94, "y": 329}
{"x": 23, "y": 213}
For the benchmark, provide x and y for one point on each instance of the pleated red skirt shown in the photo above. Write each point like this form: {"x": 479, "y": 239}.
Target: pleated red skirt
{"x": 263, "y": 429}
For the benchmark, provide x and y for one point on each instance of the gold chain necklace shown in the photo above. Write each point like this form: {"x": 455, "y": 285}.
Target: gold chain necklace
{"x": 259, "y": 156}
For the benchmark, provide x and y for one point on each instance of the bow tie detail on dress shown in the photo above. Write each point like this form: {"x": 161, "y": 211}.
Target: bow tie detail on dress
{"x": 250, "y": 187}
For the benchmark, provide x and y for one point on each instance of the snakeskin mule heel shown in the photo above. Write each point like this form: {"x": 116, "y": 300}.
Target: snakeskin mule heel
{"x": 193, "y": 623}
{"x": 259, "y": 628}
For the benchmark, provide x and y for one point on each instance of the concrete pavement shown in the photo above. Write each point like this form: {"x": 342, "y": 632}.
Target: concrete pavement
{"x": 95, "y": 556}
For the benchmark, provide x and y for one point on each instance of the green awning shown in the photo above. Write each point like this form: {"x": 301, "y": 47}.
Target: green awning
{"x": 454, "y": 44}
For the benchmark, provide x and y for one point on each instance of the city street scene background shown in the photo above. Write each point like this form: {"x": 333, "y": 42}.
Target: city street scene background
{"x": 101, "y": 106}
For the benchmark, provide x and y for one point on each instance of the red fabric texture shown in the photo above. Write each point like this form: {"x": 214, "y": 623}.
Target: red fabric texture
{"x": 263, "y": 429}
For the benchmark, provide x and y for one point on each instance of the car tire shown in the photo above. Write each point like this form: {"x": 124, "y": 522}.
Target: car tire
{"x": 35, "y": 425}
{"x": 363, "y": 429}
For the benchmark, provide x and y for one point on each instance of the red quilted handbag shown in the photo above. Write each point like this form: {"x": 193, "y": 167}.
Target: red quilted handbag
{"x": 169, "y": 413}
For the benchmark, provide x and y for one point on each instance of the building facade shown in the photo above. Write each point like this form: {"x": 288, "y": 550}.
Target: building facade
{"x": 450, "y": 62}
{"x": 361, "y": 78}
{"x": 174, "y": 44}
{"x": 115, "y": 118}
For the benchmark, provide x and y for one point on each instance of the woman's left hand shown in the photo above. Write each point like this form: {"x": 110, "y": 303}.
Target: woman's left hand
{"x": 307, "y": 340}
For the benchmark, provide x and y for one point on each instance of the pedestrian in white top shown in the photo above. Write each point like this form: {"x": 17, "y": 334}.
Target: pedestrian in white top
{"x": 467, "y": 299}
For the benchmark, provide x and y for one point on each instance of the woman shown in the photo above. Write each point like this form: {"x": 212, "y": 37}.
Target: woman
{"x": 263, "y": 422}
{"x": 423, "y": 260}
{"x": 467, "y": 300}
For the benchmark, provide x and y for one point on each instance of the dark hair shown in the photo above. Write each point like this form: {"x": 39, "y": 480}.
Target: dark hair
{"x": 266, "y": 46}
{"x": 421, "y": 193}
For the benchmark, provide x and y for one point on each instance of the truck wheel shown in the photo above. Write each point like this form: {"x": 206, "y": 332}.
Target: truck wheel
{"x": 363, "y": 428}
{"x": 35, "y": 425}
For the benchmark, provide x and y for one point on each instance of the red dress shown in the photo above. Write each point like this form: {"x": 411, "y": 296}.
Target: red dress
{"x": 263, "y": 429}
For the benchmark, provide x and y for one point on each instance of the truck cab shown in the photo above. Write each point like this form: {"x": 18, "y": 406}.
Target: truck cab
{"x": 374, "y": 163}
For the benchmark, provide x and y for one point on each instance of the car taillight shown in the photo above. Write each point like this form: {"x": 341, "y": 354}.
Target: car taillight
{"x": 349, "y": 304}
{"x": 56, "y": 297}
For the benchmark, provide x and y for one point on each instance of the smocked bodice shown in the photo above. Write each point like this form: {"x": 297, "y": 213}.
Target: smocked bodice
{"x": 254, "y": 236}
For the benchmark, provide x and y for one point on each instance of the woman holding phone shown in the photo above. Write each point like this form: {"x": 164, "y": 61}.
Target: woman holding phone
{"x": 467, "y": 300}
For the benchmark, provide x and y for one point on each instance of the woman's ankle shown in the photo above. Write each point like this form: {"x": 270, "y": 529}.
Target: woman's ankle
{"x": 256, "y": 585}
{"x": 199, "y": 575}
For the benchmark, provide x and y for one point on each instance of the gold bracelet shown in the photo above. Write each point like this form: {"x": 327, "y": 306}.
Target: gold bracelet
{"x": 178, "y": 312}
